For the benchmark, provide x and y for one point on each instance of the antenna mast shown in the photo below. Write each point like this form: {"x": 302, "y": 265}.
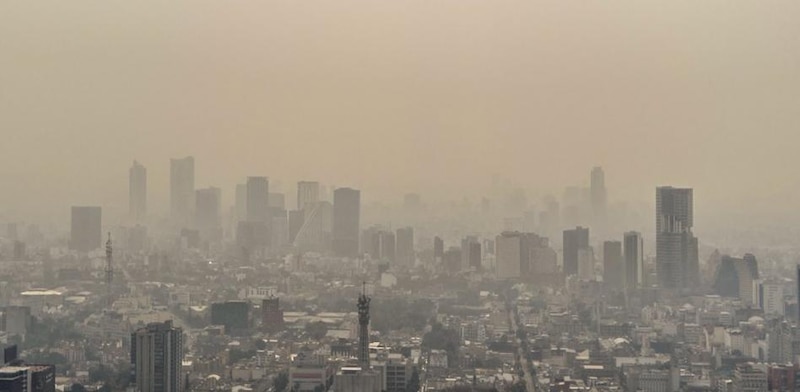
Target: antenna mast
{"x": 109, "y": 272}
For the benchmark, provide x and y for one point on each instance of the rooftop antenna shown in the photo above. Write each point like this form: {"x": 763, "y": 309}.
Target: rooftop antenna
{"x": 109, "y": 272}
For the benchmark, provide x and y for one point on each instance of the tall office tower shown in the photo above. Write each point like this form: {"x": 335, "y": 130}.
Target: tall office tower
{"x": 307, "y": 194}
{"x": 451, "y": 260}
{"x": 613, "y": 267}
{"x": 137, "y": 192}
{"x": 779, "y": 341}
{"x": 574, "y": 240}
{"x": 157, "y": 358}
{"x": 677, "y": 264}
{"x": 86, "y": 228}
{"x": 470, "y": 253}
{"x": 313, "y": 227}
{"x": 438, "y": 252}
{"x": 597, "y": 193}
{"x": 634, "y": 259}
{"x": 769, "y": 297}
{"x": 380, "y": 244}
{"x": 257, "y": 199}
{"x": 363, "y": 328}
{"x": 736, "y": 278}
{"x": 181, "y": 186}
{"x": 346, "y": 216}
{"x": 405, "y": 246}
{"x": 207, "y": 212}
{"x": 508, "y": 255}
{"x": 240, "y": 204}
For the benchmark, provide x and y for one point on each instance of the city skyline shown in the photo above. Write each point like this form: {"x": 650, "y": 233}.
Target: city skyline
{"x": 399, "y": 196}
{"x": 731, "y": 96}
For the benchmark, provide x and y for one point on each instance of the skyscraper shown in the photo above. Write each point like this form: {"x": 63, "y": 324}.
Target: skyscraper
{"x": 613, "y": 267}
{"x": 257, "y": 199}
{"x": 597, "y": 194}
{"x": 677, "y": 263}
{"x": 208, "y": 211}
{"x": 181, "y": 181}
{"x": 157, "y": 357}
{"x": 574, "y": 240}
{"x": 346, "y": 217}
{"x": 307, "y": 194}
{"x": 405, "y": 245}
{"x": 438, "y": 251}
{"x": 471, "y": 256}
{"x": 137, "y": 192}
{"x": 86, "y": 228}
{"x": 516, "y": 254}
{"x": 634, "y": 259}
{"x": 240, "y": 203}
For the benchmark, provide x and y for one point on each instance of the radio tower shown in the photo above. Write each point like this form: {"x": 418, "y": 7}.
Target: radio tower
{"x": 363, "y": 328}
{"x": 109, "y": 273}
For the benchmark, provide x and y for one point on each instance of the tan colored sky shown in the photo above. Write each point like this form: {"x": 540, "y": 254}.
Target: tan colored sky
{"x": 432, "y": 96}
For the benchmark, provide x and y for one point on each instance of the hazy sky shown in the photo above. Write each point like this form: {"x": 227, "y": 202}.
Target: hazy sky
{"x": 432, "y": 96}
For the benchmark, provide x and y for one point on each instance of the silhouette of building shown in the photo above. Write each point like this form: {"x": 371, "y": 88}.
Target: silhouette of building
{"x": 405, "y": 246}
{"x": 307, "y": 194}
{"x": 379, "y": 243}
{"x": 346, "y": 218}
{"x": 677, "y": 264}
{"x": 613, "y": 266}
{"x": 257, "y": 199}
{"x": 157, "y": 358}
{"x": 86, "y": 231}
{"x": 240, "y": 203}
{"x": 208, "y": 205}
{"x": 517, "y": 254}
{"x": 438, "y": 250}
{"x": 736, "y": 277}
{"x": 137, "y": 192}
{"x": 181, "y": 185}
{"x": 574, "y": 240}
{"x": 471, "y": 253}
{"x": 634, "y": 259}
{"x": 597, "y": 194}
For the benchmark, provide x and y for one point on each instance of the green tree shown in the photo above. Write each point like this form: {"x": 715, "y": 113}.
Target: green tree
{"x": 77, "y": 388}
{"x": 316, "y": 330}
{"x": 413, "y": 381}
{"x": 280, "y": 382}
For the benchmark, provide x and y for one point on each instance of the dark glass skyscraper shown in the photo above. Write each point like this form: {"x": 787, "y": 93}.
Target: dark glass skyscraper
{"x": 346, "y": 217}
{"x": 574, "y": 240}
{"x": 677, "y": 263}
{"x": 405, "y": 245}
{"x": 634, "y": 259}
